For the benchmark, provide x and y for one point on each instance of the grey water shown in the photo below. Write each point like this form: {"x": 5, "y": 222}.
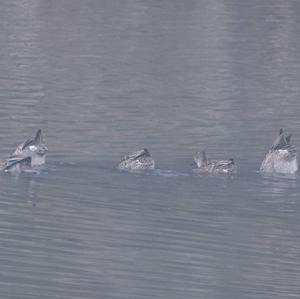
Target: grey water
{"x": 104, "y": 78}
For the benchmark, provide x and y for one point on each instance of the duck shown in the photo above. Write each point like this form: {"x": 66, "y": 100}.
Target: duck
{"x": 281, "y": 157}
{"x": 138, "y": 160}
{"x": 213, "y": 166}
{"x": 35, "y": 148}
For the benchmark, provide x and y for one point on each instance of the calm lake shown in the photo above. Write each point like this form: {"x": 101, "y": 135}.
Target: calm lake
{"x": 104, "y": 78}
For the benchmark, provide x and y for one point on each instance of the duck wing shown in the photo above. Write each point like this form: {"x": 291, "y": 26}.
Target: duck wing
{"x": 13, "y": 161}
{"x": 224, "y": 163}
{"x": 138, "y": 154}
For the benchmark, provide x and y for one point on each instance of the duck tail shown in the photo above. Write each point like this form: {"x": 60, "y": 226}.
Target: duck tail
{"x": 38, "y": 139}
{"x": 288, "y": 139}
{"x": 280, "y": 141}
{"x": 204, "y": 158}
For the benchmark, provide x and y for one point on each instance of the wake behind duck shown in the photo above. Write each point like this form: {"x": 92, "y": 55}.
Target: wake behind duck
{"x": 281, "y": 157}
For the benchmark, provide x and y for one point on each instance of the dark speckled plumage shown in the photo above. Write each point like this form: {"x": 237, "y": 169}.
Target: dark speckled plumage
{"x": 213, "y": 166}
{"x": 139, "y": 160}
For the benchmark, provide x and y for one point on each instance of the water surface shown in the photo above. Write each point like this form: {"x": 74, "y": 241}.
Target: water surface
{"x": 104, "y": 78}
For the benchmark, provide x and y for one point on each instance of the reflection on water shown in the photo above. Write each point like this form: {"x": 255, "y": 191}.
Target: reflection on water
{"x": 103, "y": 78}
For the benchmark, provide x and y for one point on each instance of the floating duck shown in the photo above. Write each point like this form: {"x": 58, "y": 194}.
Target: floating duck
{"x": 139, "y": 160}
{"x": 281, "y": 157}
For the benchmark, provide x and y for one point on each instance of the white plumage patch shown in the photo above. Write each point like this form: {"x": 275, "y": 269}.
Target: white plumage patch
{"x": 280, "y": 161}
{"x": 33, "y": 148}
